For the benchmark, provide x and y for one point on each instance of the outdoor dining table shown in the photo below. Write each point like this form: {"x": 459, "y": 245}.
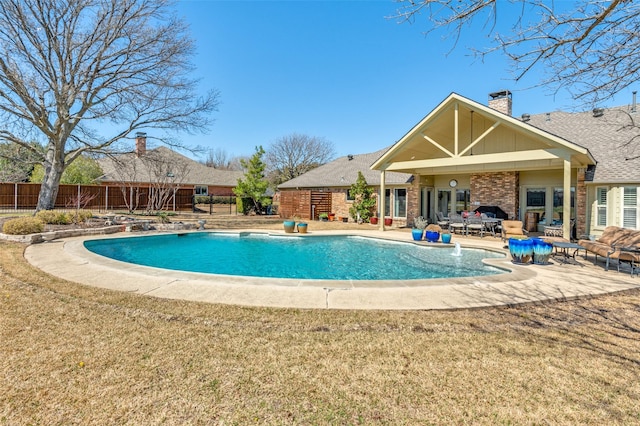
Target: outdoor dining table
{"x": 491, "y": 224}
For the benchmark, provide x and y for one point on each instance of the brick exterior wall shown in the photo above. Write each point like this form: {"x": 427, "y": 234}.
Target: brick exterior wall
{"x": 496, "y": 189}
{"x": 413, "y": 200}
{"x": 581, "y": 204}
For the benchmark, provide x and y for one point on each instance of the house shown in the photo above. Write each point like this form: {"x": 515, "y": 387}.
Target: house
{"x": 464, "y": 154}
{"x": 147, "y": 167}
{"x": 327, "y": 188}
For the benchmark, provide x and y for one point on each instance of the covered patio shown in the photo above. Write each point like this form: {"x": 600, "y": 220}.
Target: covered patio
{"x": 464, "y": 154}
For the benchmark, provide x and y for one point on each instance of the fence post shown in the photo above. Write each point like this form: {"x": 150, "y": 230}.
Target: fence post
{"x": 15, "y": 196}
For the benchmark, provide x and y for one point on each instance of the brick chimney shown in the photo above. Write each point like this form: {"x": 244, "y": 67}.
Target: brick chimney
{"x": 501, "y": 101}
{"x": 141, "y": 144}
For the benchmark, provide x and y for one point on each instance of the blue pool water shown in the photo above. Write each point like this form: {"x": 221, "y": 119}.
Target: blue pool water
{"x": 322, "y": 257}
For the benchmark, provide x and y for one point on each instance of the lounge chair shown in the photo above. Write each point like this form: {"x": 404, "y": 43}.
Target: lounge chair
{"x": 442, "y": 221}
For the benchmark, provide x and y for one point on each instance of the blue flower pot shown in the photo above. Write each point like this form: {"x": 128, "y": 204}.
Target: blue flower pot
{"x": 289, "y": 226}
{"x": 446, "y": 238}
{"x": 432, "y": 236}
{"x": 416, "y": 234}
{"x": 541, "y": 251}
{"x": 521, "y": 250}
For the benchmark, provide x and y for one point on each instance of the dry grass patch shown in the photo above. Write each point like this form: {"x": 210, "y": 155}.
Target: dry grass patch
{"x": 73, "y": 354}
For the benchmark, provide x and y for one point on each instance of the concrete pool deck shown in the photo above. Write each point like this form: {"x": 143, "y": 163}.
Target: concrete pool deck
{"x": 68, "y": 259}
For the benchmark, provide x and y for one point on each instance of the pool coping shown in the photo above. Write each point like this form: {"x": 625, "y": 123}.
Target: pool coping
{"x": 68, "y": 259}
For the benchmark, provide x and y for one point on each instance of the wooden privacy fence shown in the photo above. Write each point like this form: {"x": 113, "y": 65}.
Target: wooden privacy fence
{"x": 304, "y": 204}
{"x": 24, "y": 196}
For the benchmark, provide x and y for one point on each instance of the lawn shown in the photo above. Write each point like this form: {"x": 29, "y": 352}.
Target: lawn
{"x": 73, "y": 354}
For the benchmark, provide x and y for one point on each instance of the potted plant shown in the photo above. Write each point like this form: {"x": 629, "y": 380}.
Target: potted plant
{"x": 332, "y": 217}
{"x": 419, "y": 223}
{"x": 323, "y": 217}
{"x": 302, "y": 228}
{"x": 374, "y": 219}
{"x": 433, "y": 233}
{"x": 446, "y": 237}
{"x": 388, "y": 221}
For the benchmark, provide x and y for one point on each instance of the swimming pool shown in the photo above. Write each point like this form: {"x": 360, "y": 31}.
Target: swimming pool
{"x": 319, "y": 257}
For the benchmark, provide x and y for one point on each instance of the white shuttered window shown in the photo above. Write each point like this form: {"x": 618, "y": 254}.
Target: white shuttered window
{"x": 601, "y": 206}
{"x": 630, "y": 207}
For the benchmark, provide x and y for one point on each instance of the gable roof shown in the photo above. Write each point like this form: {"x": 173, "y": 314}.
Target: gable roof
{"x": 343, "y": 172}
{"x": 195, "y": 173}
{"x": 611, "y": 138}
{"x": 463, "y": 136}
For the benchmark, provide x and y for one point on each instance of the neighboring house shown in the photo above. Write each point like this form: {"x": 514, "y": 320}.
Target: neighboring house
{"x": 334, "y": 179}
{"x": 465, "y": 154}
{"x": 163, "y": 165}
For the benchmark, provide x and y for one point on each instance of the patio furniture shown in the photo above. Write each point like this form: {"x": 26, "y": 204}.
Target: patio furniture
{"x": 442, "y": 221}
{"x": 611, "y": 244}
{"x": 562, "y": 249}
{"x": 492, "y": 224}
{"x": 456, "y": 222}
{"x": 512, "y": 228}
{"x": 475, "y": 224}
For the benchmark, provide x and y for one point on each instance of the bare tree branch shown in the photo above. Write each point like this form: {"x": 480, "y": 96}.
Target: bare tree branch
{"x": 68, "y": 68}
{"x": 295, "y": 154}
{"x": 589, "y": 48}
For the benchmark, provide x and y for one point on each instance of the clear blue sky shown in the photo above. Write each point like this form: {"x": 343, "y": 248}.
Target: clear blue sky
{"x": 335, "y": 69}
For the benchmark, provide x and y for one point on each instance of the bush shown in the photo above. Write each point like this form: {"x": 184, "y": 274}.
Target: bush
{"x": 23, "y": 226}
{"x": 79, "y": 216}
{"x": 214, "y": 199}
{"x": 54, "y": 218}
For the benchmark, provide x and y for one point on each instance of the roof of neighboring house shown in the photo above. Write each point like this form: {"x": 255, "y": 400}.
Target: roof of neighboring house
{"x": 195, "y": 173}
{"x": 343, "y": 172}
{"x": 611, "y": 138}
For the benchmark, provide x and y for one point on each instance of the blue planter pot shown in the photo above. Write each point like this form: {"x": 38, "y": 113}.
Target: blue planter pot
{"x": 416, "y": 234}
{"x": 541, "y": 251}
{"x": 446, "y": 238}
{"x": 521, "y": 250}
{"x": 289, "y": 226}
{"x": 432, "y": 236}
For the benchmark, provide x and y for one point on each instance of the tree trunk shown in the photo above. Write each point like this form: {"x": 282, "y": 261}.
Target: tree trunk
{"x": 53, "y": 169}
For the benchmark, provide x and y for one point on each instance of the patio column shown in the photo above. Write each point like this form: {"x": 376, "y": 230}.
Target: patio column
{"x": 381, "y": 201}
{"x": 566, "y": 201}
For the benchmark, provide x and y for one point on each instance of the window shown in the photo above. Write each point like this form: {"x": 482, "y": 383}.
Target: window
{"x": 630, "y": 207}
{"x": 558, "y": 200}
{"x": 202, "y": 190}
{"x": 536, "y": 197}
{"x": 463, "y": 200}
{"x": 399, "y": 202}
{"x": 349, "y": 196}
{"x": 601, "y": 206}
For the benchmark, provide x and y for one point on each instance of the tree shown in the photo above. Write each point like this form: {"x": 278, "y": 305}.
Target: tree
{"x": 295, "y": 154}
{"x": 254, "y": 185}
{"x": 83, "y": 170}
{"x": 589, "y": 48}
{"x": 219, "y": 159}
{"x": 17, "y": 162}
{"x": 364, "y": 202}
{"x": 163, "y": 171}
{"x": 67, "y": 67}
